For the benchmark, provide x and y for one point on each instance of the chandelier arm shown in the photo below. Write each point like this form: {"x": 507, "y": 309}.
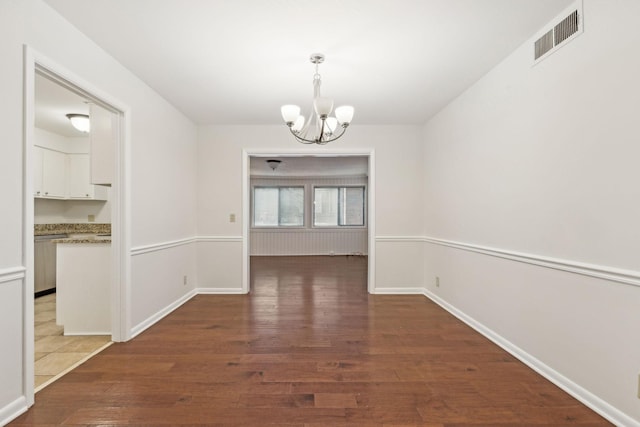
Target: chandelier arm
{"x": 300, "y": 138}
{"x": 313, "y": 141}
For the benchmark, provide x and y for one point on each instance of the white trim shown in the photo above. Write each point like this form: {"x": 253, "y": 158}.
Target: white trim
{"x": 13, "y": 410}
{"x": 121, "y": 206}
{"x": 86, "y": 334}
{"x": 628, "y": 277}
{"x": 154, "y": 318}
{"x": 598, "y": 405}
{"x": 219, "y": 291}
{"x": 371, "y": 223}
{"x": 400, "y": 239}
{"x": 140, "y": 250}
{"x": 12, "y": 274}
{"x": 306, "y": 151}
{"x": 28, "y": 219}
{"x": 219, "y": 239}
{"x": 400, "y": 291}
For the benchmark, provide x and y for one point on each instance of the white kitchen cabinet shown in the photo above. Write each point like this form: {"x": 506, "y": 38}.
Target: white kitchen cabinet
{"x": 79, "y": 179}
{"x": 54, "y": 174}
{"x": 37, "y": 171}
{"x": 104, "y": 137}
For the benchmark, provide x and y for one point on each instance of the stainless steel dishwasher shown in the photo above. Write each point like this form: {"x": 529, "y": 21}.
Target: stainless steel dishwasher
{"x": 44, "y": 278}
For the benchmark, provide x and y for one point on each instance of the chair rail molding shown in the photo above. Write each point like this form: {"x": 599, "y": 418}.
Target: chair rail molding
{"x": 12, "y": 273}
{"x": 628, "y": 277}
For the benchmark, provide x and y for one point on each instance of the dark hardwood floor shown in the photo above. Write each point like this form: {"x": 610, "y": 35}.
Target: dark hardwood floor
{"x": 308, "y": 347}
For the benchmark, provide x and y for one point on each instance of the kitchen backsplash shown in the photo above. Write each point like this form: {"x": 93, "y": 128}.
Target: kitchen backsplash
{"x": 89, "y": 228}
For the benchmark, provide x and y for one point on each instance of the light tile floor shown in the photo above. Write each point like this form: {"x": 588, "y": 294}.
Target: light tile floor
{"x": 54, "y": 352}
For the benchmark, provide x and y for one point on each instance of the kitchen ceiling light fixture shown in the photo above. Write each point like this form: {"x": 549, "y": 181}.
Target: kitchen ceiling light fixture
{"x": 80, "y": 122}
{"x": 325, "y": 128}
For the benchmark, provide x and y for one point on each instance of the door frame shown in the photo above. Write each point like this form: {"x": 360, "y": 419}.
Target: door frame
{"x": 324, "y": 152}
{"x": 120, "y": 204}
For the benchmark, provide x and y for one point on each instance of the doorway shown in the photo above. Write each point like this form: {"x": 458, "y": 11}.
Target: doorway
{"x": 345, "y": 157}
{"x": 118, "y": 317}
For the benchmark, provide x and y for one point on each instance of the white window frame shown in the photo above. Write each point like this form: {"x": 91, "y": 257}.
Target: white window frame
{"x": 278, "y": 227}
{"x": 341, "y": 227}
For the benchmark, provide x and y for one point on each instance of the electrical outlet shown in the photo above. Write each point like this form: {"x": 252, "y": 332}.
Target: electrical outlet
{"x": 91, "y": 218}
{"x": 232, "y": 217}
{"x": 437, "y": 282}
{"x": 184, "y": 280}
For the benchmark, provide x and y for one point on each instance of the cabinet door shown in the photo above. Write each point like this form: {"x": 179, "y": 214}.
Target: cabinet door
{"x": 37, "y": 171}
{"x": 79, "y": 186}
{"x": 104, "y": 136}
{"x": 54, "y": 174}
{"x": 79, "y": 177}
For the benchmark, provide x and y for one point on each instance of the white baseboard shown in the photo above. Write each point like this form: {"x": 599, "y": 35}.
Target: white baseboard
{"x": 80, "y": 333}
{"x": 13, "y": 410}
{"x": 399, "y": 291}
{"x": 151, "y": 320}
{"x": 592, "y": 401}
{"x": 219, "y": 291}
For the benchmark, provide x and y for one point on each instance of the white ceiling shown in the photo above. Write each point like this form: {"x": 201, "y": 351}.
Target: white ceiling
{"x": 237, "y": 62}
{"x": 52, "y": 104}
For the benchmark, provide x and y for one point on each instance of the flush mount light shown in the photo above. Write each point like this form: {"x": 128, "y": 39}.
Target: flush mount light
{"x": 273, "y": 164}
{"x": 80, "y": 122}
{"x": 325, "y": 128}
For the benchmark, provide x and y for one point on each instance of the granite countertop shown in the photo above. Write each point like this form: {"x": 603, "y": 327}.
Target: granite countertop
{"x": 89, "y": 238}
{"x": 76, "y": 233}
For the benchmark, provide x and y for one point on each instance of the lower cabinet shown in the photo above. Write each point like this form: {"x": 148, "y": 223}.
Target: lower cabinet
{"x": 83, "y": 277}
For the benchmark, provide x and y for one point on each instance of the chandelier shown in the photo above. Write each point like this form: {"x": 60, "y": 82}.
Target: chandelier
{"x": 318, "y": 127}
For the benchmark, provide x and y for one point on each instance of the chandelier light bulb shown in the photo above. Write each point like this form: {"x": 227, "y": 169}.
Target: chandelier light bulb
{"x": 298, "y": 125}
{"x": 344, "y": 114}
{"x": 332, "y": 124}
{"x": 290, "y": 113}
{"x": 323, "y": 106}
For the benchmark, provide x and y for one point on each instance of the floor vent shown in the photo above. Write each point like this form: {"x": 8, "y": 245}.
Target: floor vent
{"x": 561, "y": 31}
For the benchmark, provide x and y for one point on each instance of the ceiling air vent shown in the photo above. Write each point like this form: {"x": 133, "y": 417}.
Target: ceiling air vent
{"x": 563, "y": 29}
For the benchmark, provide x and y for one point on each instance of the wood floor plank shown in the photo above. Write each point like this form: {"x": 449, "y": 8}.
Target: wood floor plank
{"x": 307, "y": 348}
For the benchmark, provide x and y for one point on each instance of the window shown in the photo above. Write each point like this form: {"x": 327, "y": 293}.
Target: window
{"x": 278, "y": 206}
{"x": 338, "y": 206}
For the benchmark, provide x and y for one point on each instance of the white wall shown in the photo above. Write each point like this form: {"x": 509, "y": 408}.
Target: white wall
{"x": 544, "y": 161}
{"x": 398, "y": 175}
{"x": 163, "y": 186}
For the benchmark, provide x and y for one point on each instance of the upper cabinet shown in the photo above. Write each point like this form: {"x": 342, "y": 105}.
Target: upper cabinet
{"x": 78, "y": 179}
{"x": 59, "y": 175}
{"x": 50, "y": 179}
{"x": 104, "y": 136}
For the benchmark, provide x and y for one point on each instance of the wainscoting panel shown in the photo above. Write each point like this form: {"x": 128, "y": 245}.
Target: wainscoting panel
{"x": 12, "y": 336}
{"x": 309, "y": 242}
{"x": 219, "y": 261}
